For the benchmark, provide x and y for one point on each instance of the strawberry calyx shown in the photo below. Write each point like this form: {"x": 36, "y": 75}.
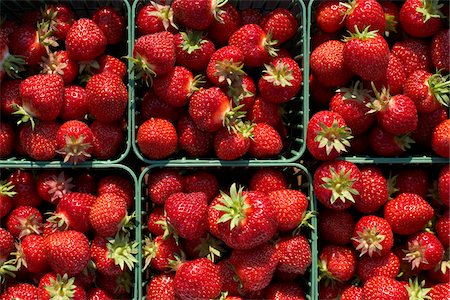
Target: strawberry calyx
{"x": 149, "y": 250}
{"x": 75, "y": 150}
{"x": 192, "y": 40}
{"x": 228, "y": 70}
{"x": 391, "y": 24}
{"x": 45, "y": 35}
{"x": 325, "y": 274}
{"x": 57, "y": 222}
{"x": 164, "y": 13}
{"x": 381, "y": 100}
{"x": 356, "y": 92}
{"x": 59, "y": 186}
{"x": 340, "y": 184}
{"x": 269, "y": 44}
{"x": 142, "y": 68}
{"x": 444, "y": 265}
{"x": 279, "y": 75}
{"x": 416, "y": 290}
{"x": 25, "y": 114}
{"x": 210, "y": 247}
{"x": 19, "y": 256}
{"x": 369, "y": 241}
{"x": 238, "y": 91}
{"x": 392, "y": 185}
{"x": 361, "y": 35}
{"x": 61, "y": 288}
{"x": 404, "y": 141}
{"x": 306, "y": 222}
{"x": 439, "y": 87}
{"x": 52, "y": 64}
{"x": 13, "y": 65}
{"x": 335, "y": 137}
{"x": 245, "y": 129}
{"x": 234, "y": 206}
{"x": 127, "y": 224}
{"x": 8, "y": 268}
{"x": 180, "y": 258}
{"x": 6, "y": 189}
{"x": 415, "y": 254}
{"x": 217, "y": 10}
{"x": 122, "y": 251}
{"x": 233, "y": 116}
{"x": 29, "y": 226}
{"x": 124, "y": 282}
{"x": 196, "y": 83}
{"x": 430, "y": 9}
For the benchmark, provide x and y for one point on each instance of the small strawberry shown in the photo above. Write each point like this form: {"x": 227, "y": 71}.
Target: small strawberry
{"x": 163, "y": 183}
{"x": 8, "y": 139}
{"x": 108, "y": 63}
{"x": 439, "y": 50}
{"x": 157, "y": 138}
{"x": 368, "y": 267}
{"x": 111, "y": 23}
{"x": 199, "y": 15}
{"x": 30, "y": 254}
{"x": 74, "y": 141}
{"x": 290, "y": 207}
{"x": 242, "y": 91}
{"x": 158, "y": 252}
{"x": 225, "y": 66}
{"x": 153, "y": 107}
{"x": 225, "y": 25}
{"x": 155, "y": 219}
{"x": 192, "y": 50}
{"x": 374, "y": 191}
{"x": 440, "y": 139}
{"x": 119, "y": 185}
{"x": 85, "y": 40}
{"x": 336, "y": 226}
{"x": 294, "y": 254}
{"x": 364, "y": 13}
{"x": 424, "y": 251}
{"x": 202, "y": 181}
{"x": 444, "y": 185}
{"x": 53, "y": 185}
{"x": 386, "y": 144}
{"x": 267, "y": 180}
{"x": 266, "y": 142}
{"x": 24, "y": 192}
{"x": 230, "y": 145}
{"x": 421, "y": 18}
{"x": 250, "y": 16}
{"x": 372, "y": 235}
{"x": 108, "y": 214}
{"x": 61, "y": 18}
{"x": 109, "y": 139}
{"x": 60, "y": 63}
{"x": 10, "y": 96}
{"x": 281, "y": 24}
{"x": 413, "y": 54}
{"x": 191, "y": 139}
{"x": 98, "y": 293}
{"x": 284, "y": 290}
{"x": 263, "y": 111}
{"x": 337, "y": 263}
{"x": 161, "y": 287}
{"x": 330, "y": 16}
{"x": 154, "y": 17}
{"x": 40, "y": 143}
{"x": 384, "y": 288}
{"x": 75, "y": 106}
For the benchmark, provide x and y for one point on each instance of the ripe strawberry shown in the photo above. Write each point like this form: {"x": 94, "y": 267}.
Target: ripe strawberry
{"x": 10, "y": 96}
{"x": 373, "y": 235}
{"x": 282, "y": 80}
{"x": 157, "y": 138}
{"x": 161, "y": 287}
{"x": 263, "y": 111}
{"x": 384, "y": 288}
{"x": 85, "y": 40}
{"x": 227, "y": 22}
{"x": 7, "y": 245}
{"x": 107, "y": 214}
{"x": 121, "y": 284}
{"x": 440, "y": 139}
{"x": 67, "y": 252}
{"x": 368, "y": 267}
{"x": 336, "y": 226}
{"x": 111, "y": 23}
{"x": 230, "y": 145}
{"x": 394, "y": 78}
{"x": 197, "y": 279}
{"x": 6, "y": 197}
{"x": 413, "y": 54}
{"x": 53, "y": 185}
{"x": 85, "y": 183}
{"x": 187, "y": 214}
{"x": 164, "y": 183}
{"x": 391, "y": 14}
{"x": 7, "y": 138}
{"x": 98, "y": 294}
{"x": 225, "y": 66}
{"x": 158, "y": 252}
{"x": 30, "y": 254}
{"x": 40, "y": 143}
{"x": 61, "y": 18}
{"x": 108, "y": 63}
{"x": 294, "y": 254}
{"x": 107, "y": 97}
{"x": 192, "y": 50}
{"x": 29, "y": 43}
{"x": 202, "y": 181}
{"x": 328, "y": 65}
{"x": 352, "y": 293}
{"x": 154, "y": 17}
{"x": 267, "y": 180}
{"x": 60, "y": 63}
{"x": 24, "y": 192}
{"x": 407, "y": 213}
{"x": 386, "y": 144}
{"x": 191, "y": 139}
{"x": 75, "y": 103}
{"x": 52, "y": 284}
{"x": 374, "y": 191}
{"x": 413, "y": 181}
{"x": 255, "y": 267}
{"x": 153, "y": 107}
{"x": 284, "y": 290}
{"x": 439, "y": 50}
{"x": 199, "y": 15}
{"x": 109, "y": 139}
{"x": 290, "y": 207}
{"x": 255, "y": 44}
{"x": 250, "y": 16}
{"x": 444, "y": 185}
{"x": 330, "y": 16}
{"x": 337, "y": 180}
{"x": 155, "y": 218}
{"x": 424, "y": 251}
{"x": 439, "y": 291}
{"x": 227, "y": 275}
{"x": 281, "y": 24}
{"x": 22, "y": 291}
{"x": 426, "y": 124}
{"x": 443, "y": 229}
{"x": 266, "y": 141}
{"x": 421, "y": 18}
{"x": 74, "y": 141}
{"x": 364, "y": 13}
{"x": 331, "y": 291}
{"x": 337, "y": 263}
{"x": 245, "y": 219}
{"x": 119, "y": 185}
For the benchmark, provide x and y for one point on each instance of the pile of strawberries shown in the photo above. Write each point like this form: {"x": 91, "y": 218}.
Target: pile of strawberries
{"x": 203, "y": 242}
{"x": 62, "y": 86}
{"x": 382, "y": 86}
{"x": 66, "y": 235}
{"x": 217, "y": 78}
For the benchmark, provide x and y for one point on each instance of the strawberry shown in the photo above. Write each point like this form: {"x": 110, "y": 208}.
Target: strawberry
{"x": 229, "y": 280}
{"x": 53, "y": 185}
{"x": 443, "y": 229}
{"x": 24, "y": 192}
{"x": 74, "y": 141}
{"x": 202, "y": 181}
{"x": 108, "y": 63}
{"x": 22, "y": 291}
{"x": 407, "y": 213}
{"x": 164, "y": 183}
{"x": 199, "y": 15}
{"x": 255, "y": 44}
{"x": 384, "y": 288}
{"x": 444, "y": 186}
{"x": 61, "y": 18}
{"x": 85, "y": 183}
{"x": 157, "y": 138}
{"x": 255, "y": 267}
{"x": 263, "y": 111}
{"x": 394, "y": 78}
{"x": 374, "y": 191}
{"x": 153, "y": 107}
{"x": 413, "y": 181}
{"x": 10, "y": 65}
{"x": 391, "y": 14}
{"x": 108, "y": 214}
{"x": 328, "y": 66}
{"x": 364, "y": 13}
{"x": 242, "y": 91}
{"x": 6, "y": 194}
{"x": 161, "y": 287}
{"x": 440, "y": 139}
{"x": 282, "y": 80}
{"x": 245, "y": 219}
{"x": 187, "y": 214}
{"x": 197, "y": 279}
{"x": 85, "y": 40}
{"x": 7, "y": 244}
{"x": 368, "y": 267}
{"x": 29, "y": 43}
{"x": 107, "y": 97}
{"x": 154, "y": 17}
{"x": 10, "y": 96}
{"x": 337, "y": 180}
{"x": 121, "y": 284}
{"x": 98, "y": 293}
{"x": 290, "y": 207}
{"x": 284, "y": 290}
{"x": 439, "y": 50}
{"x": 158, "y": 252}
{"x": 225, "y": 66}
{"x": 111, "y": 23}
{"x": 60, "y": 63}
{"x": 424, "y": 251}
{"x": 421, "y": 18}
{"x": 352, "y": 293}
{"x": 40, "y": 143}
{"x": 372, "y": 235}
{"x": 206, "y": 246}
{"x": 119, "y": 185}
{"x": 267, "y": 180}
{"x": 250, "y": 16}
{"x": 155, "y": 218}
{"x": 75, "y": 103}
{"x": 7, "y": 138}
{"x": 192, "y": 50}
{"x": 294, "y": 254}
{"x": 331, "y": 291}
{"x": 413, "y": 54}
{"x": 191, "y": 139}
{"x": 266, "y": 141}
{"x": 30, "y": 253}
{"x": 52, "y": 284}
{"x": 281, "y": 24}
{"x": 230, "y": 145}
{"x": 439, "y": 291}
{"x": 109, "y": 139}
{"x": 386, "y": 144}
{"x": 67, "y": 252}
{"x": 337, "y": 263}
{"x": 330, "y": 16}
{"x": 225, "y": 25}
{"x": 336, "y": 226}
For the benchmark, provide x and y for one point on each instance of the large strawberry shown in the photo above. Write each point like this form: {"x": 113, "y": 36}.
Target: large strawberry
{"x": 85, "y": 40}
{"x": 108, "y": 214}
{"x": 337, "y": 263}
{"x": 192, "y": 50}
{"x": 330, "y": 16}
{"x": 198, "y": 15}
{"x": 74, "y": 141}
{"x": 421, "y": 18}
{"x": 384, "y": 288}
{"x": 290, "y": 207}
{"x": 394, "y": 78}
{"x": 119, "y": 185}
{"x": 424, "y": 251}
{"x": 440, "y": 140}
{"x": 363, "y": 13}
{"x": 372, "y": 235}
{"x": 158, "y": 252}
{"x": 268, "y": 180}
{"x": 22, "y": 291}
{"x": 163, "y": 183}
{"x": 266, "y": 141}
{"x": 294, "y": 254}
{"x": 413, "y": 54}
{"x": 202, "y": 181}
{"x": 234, "y": 144}
{"x": 282, "y": 290}
{"x": 157, "y": 138}
{"x": 75, "y": 105}
{"x": 29, "y": 42}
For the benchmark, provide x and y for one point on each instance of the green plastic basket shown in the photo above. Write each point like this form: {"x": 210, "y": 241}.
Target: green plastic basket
{"x": 301, "y": 180}
{"x": 102, "y": 169}
{"x": 83, "y": 8}
{"x": 416, "y": 158}
{"x": 296, "y": 109}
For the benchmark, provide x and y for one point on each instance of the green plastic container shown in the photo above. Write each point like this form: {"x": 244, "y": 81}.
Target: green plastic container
{"x": 296, "y": 109}
{"x": 95, "y": 169}
{"x": 82, "y": 8}
{"x": 416, "y": 158}
{"x": 301, "y": 180}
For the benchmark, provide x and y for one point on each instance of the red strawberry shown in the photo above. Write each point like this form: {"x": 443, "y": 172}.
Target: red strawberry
{"x": 107, "y": 97}
{"x": 191, "y": 139}
{"x": 164, "y": 183}
{"x": 29, "y": 43}
{"x": 161, "y": 287}
{"x": 225, "y": 66}
{"x": 290, "y": 207}
{"x": 413, "y": 54}
{"x": 10, "y": 96}
{"x": 153, "y": 107}
{"x": 263, "y": 111}
{"x": 439, "y": 291}
{"x": 250, "y": 16}
{"x": 60, "y": 63}
{"x": 391, "y": 14}
{"x": 386, "y": 144}
{"x": 424, "y": 251}
{"x": 74, "y": 141}
{"x": 109, "y": 139}
{"x": 384, "y": 288}
{"x": 158, "y": 252}
{"x": 192, "y": 50}
{"x": 40, "y": 143}
{"x": 111, "y": 23}
{"x": 53, "y": 185}
{"x": 206, "y": 246}
{"x": 331, "y": 291}
{"x": 444, "y": 185}
{"x": 255, "y": 267}
{"x": 7, "y": 245}
{"x": 22, "y": 291}
{"x": 67, "y": 252}
{"x": 439, "y": 50}
{"x": 394, "y": 78}
{"x": 281, "y": 24}
{"x": 121, "y": 284}
{"x": 443, "y": 229}
{"x": 61, "y": 18}
{"x": 330, "y": 16}
{"x": 373, "y": 235}
{"x": 154, "y": 17}
{"x": 202, "y": 181}
{"x": 337, "y": 263}
{"x": 85, "y": 40}
{"x": 7, "y": 138}
{"x": 294, "y": 254}
{"x": 107, "y": 214}
{"x": 30, "y": 254}
{"x": 52, "y": 284}
{"x": 228, "y": 277}
{"x": 254, "y": 43}
{"x": 407, "y": 213}
{"x": 335, "y": 226}
{"x": 98, "y": 294}
{"x": 337, "y": 180}
{"x": 75, "y": 106}
{"x": 188, "y": 214}
{"x": 266, "y": 141}
{"x": 227, "y": 22}
{"x": 157, "y": 138}
{"x": 199, "y": 15}
{"x": 119, "y": 185}
{"x": 284, "y": 290}
{"x": 328, "y": 65}
{"x": 24, "y": 189}
{"x": 364, "y": 13}
{"x": 413, "y": 181}
{"x": 230, "y": 145}
{"x": 440, "y": 139}
{"x": 85, "y": 183}
{"x": 242, "y": 91}
{"x": 352, "y": 293}
{"x": 108, "y": 63}
{"x": 374, "y": 191}
{"x": 421, "y": 18}
{"x": 267, "y": 180}
{"x": 388, "y": 265}
{"x": 6, "y": 194}
{"x": 155, "y": 218}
